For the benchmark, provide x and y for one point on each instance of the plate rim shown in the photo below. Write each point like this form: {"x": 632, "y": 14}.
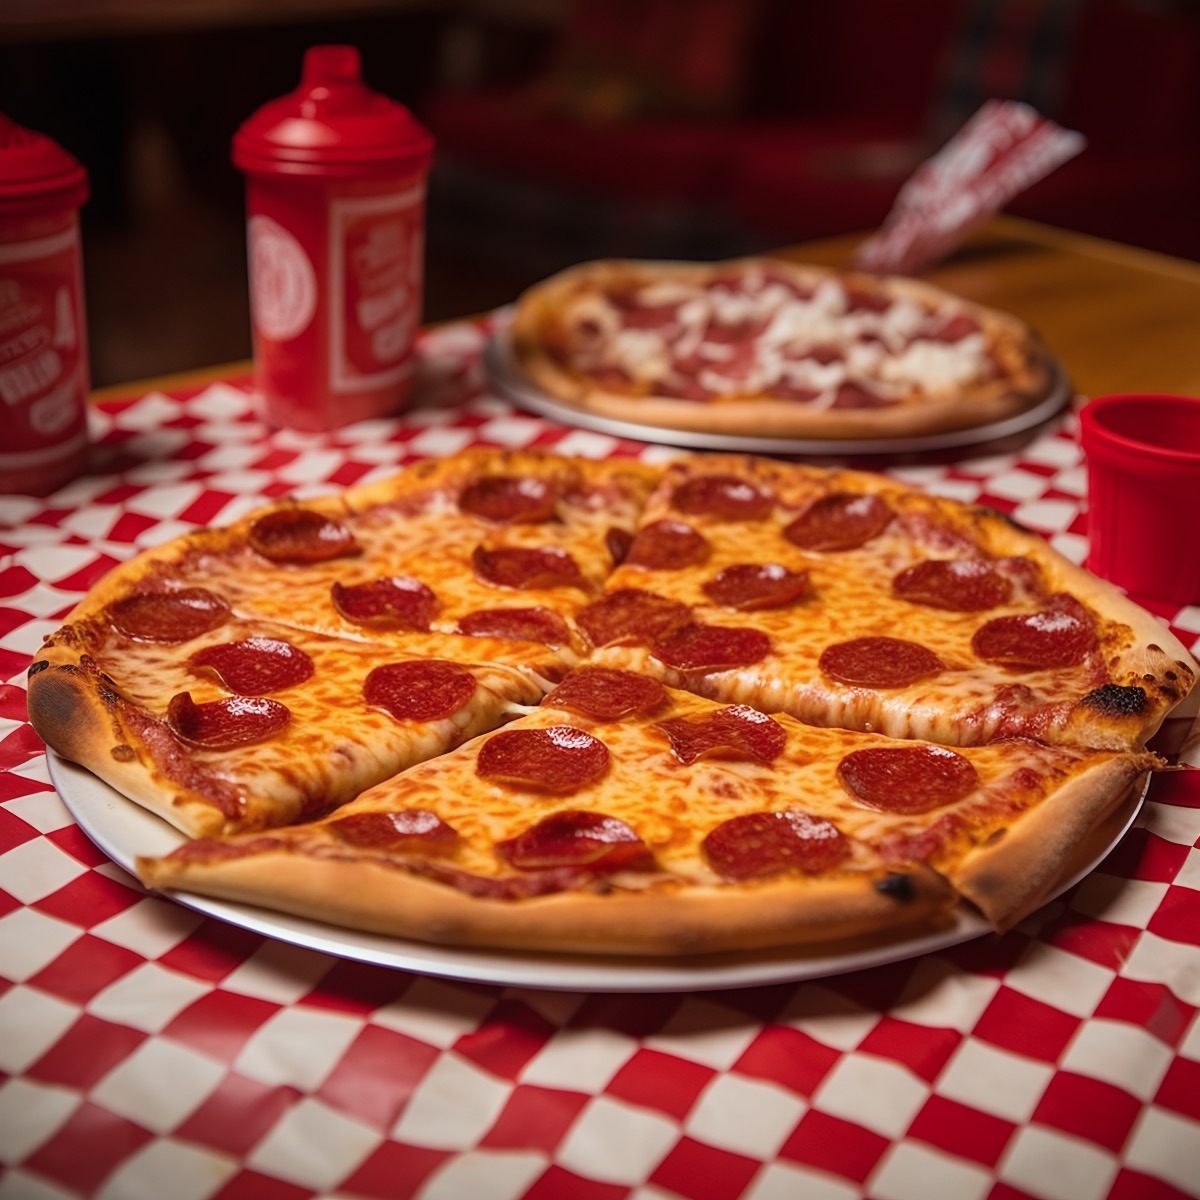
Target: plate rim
{"x": 507, "y": 378}
{"x": 123, "y": 830}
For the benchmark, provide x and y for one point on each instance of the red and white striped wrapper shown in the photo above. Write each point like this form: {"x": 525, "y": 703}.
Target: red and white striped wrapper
{"x": 1003, "y": 149}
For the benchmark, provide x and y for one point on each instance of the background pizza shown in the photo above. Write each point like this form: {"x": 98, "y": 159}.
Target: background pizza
{"x": 767, "y": 348}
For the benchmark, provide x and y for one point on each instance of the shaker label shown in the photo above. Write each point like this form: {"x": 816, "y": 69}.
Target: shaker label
{"x": 376, "y": 258}
{"x": 43, "y": 247}
{"x": 43, "y": 361}
{"x": 283, "y": 284}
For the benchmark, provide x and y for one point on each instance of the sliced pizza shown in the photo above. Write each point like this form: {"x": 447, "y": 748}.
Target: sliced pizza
{"x": 624, "y": 817}
{"x": 848, "y": 599}
{"x": 492, "y": 544}
{"x": 219, "y": 725}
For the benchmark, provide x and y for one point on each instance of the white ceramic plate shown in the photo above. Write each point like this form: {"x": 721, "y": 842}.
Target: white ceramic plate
{"x": 124, "y": 831}
{"x": 508, "y": 379}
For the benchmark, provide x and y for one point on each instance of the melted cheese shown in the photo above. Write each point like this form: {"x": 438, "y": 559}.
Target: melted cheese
{"x": 432, "y": 541}
{"x": 852, "y": 598}
{"x": 940, "y": 366}
{"x": 673, "y": 807}
{"x": 335, "y": 744}
{"x": 892, "y": 352}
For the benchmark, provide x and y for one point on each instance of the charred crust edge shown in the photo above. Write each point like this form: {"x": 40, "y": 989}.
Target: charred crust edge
{"x": 36, "y": 668}
{"x": 1117, "y": 700}
{"x": 1007, "y": 518}
{"x": 897, "y": 886}
{"x": 59, "y": 668}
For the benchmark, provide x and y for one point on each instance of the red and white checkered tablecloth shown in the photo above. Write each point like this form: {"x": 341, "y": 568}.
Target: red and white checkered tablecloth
{"x": 149, "y": 1052}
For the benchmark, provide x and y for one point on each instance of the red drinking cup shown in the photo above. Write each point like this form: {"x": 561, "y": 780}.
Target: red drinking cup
{"x": 335, "y": 201}
{"x": 1143, "y": 470}
{"x": 43, "y": 330}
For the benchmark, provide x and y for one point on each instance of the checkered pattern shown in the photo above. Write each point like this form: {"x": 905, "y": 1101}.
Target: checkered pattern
{"x": 146, "y": 1051}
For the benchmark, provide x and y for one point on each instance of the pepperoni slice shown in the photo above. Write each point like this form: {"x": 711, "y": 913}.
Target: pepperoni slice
{"x": 739, "y": 732}
{"x": 739, "y": 334}
{"x": 254, "y": 666}
{"x": 648, "y": 316}
{"x": 168, "y": 616}
{"x": 753, "y": 586}
{"x": 859, "y": 299}
{"x": 795, "y": 391}
{"x": 392, "y": 602}
{"x": 299, "y": 535}
{"x": 526, "y": 567}
{"x": 907, "y": 779}
{"x": 683, "y": 388}
{"x": 611, "y": 377}
{"x": 607, "y": 695}
{"x": 879, "y": 662}
{"x": 558, "y": 759}
{"x": 723, "y": 496}
{"x": 956, "y": 584}
{"x": 617, "y": 542}
{"x": 509, "y": 499}
{"x": 698, "y": 647}
{"x": 668, "y": 546}
{"x": 640, "y": 311}
{"x": 410, "y": 828}
{"x": 956, "y": 328}
{"x": 825, "y": 353}
{"x": 1053, "y": 637}
{"x": 630, "y": 614}
{"x": 839, "y": 521}
{"x": 425, "y": 689}
{"x": 853, "y": 395}
{"x": 574, "y": 838}
{"x": 228, "y": 723}
{"x": 536, "y": 624}
{"x": 759, "y": 844}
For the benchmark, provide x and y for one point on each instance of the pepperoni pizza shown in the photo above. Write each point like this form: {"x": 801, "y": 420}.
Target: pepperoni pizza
{"x": 521, "y": 700}
{"x": 769, "y": 348}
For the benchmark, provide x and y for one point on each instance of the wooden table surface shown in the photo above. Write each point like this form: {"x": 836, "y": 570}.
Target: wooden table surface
{"x": 1119, "y": 319}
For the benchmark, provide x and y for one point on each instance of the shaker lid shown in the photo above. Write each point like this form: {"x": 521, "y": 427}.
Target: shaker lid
{"x": 36, "y": 170}
{"x": 332, "y": 124}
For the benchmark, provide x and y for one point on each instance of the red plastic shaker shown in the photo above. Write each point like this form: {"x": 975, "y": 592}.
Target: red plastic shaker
{"x": 43, "y": 328}
{"x": 335, "y": 201}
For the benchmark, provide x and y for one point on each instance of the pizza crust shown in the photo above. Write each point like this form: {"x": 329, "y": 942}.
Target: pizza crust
{"x": 1029, "y": 374}
{"x": 77, "y": 712}
{"x": 670, "y": 920}
{"x": 1017, "y": 871}
{"x": 308, "y": 871}
{"x": 1141, "y": 651}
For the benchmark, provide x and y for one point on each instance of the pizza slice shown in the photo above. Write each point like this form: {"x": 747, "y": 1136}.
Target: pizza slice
{"x": 488, "y": 543}
{"x": 625, "y": 817}
{"x": 846, "y": 598}
{"x": 219, "y": 724}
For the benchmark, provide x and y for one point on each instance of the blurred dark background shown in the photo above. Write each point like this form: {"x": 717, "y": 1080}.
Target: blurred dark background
{"x": 572, "y": 129}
